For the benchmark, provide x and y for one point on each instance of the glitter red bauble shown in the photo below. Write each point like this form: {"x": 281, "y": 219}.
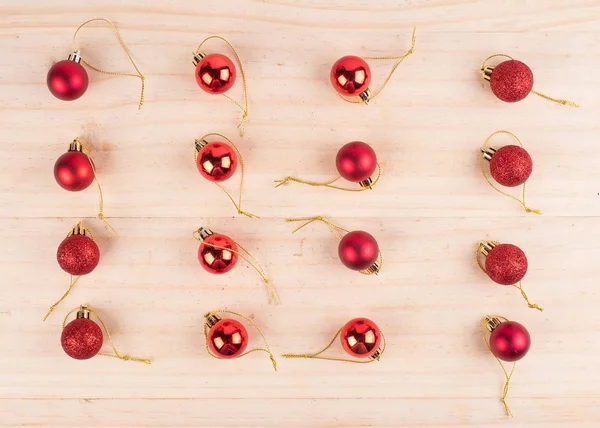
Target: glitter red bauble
{"x": 506, "y": 264}
{"x": 350, "y": 75}
{"x": 510, "y": 341}
{"x": 360, "y": 337}
{"x": 67, "y": 80}
{"x": 217, "y": 161}
{"x": 218, "y": 260}
{"x": 78, "y": 255}
{"x": 81, "y": 339}
{"x": 511, "y": 165}
{"x": 215, "y": 73}
{"x": 227, "y": 339}
{"x": 356, "y": 161}
{"x": 73, "y": 171}
{"x": 511, "y": 81}
{"x": 358, "y": 250}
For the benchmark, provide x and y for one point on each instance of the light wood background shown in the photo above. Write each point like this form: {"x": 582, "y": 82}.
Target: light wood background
{"x": 427, "y": 213}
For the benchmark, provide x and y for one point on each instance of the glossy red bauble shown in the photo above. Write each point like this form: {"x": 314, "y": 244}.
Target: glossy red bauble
{"x": 217, "y": 161}
{"x": 67, "y": 80}
{"x": 228, "y": 338}
{"x": 221, "y": 259}
{"x": 215, "y": 73}
{"x": 78, "y": 255}
{"x": 73, "y": 171}
{"x": 358, "y": 250}
{"x": 506, "y": 264}
{"x": 356, "y": 161}
{"x": 510, "y": 341}
{"x": 350, "y": 75}
{"x": 511, "y": 81}
{"x": 511, "y": 165}
{"x": 360, "y": 337}
{"x": 81, "y": 339}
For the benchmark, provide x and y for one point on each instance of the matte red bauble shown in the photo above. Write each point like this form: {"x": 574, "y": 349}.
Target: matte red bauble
{"x": 67, "y": 79}
{"x": 510, "y": 341}
{"x": 511, "y": 80}
{"x": 350, "y": 76}
{"x": 215, "y": 73}
{"x": 360, "y": 337}
{"x": 214, "y": 253}
{"x": 73, "y": 171}
{"x": 227, "y": 338}
{"x": 358, "y": 250}
{"x": 356, "y": 162}
{"x": 510, "y": 165}
{"x": 81, "y": 338}
{"x": 78, "y": 254}
{"x": 217, "y": 161}
{"x": 506, "y": 264}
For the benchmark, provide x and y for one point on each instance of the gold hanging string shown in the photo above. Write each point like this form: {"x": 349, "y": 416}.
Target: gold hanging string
{"x": 484, "y": 65}
{"x": 127, "y": 52}
{"x": 116, "y": 353}
{"x": 399, "y": 60}
{"x": 272, "y": 295}
{"x": 64, "y": 296}
{"x": 519, "y": 287}
{"x": 266, "y": 349}
{"x": 378, "y": 353}
{"x": 238, "y": 204}
{"x": 485, "y": 175}
{"x": 244, "y": 108}
{"x": 507, "y": 374}
{"x": 329, "y": 183}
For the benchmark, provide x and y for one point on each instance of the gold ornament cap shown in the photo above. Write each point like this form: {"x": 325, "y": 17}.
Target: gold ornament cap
{"x": 83, "y": 312}
{"x": 75, "y": 57}
{"x": 488, "y": 153}
{"x": 487, "y": 72}
{"x": 197, "y": 58}
{"x": 491, "y": 323}
{"x": 205, "y": 233}
{"x": 211, "y": 319}
{"x": 365, "y": 96}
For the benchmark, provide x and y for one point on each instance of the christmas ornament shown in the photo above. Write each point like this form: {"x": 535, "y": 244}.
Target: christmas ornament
{"x": 227, "y": 338}
{"x": 360, "y": 337}
{"x": 219, "y": 253}
{"x": 355, "y": 162}
{"x": 509, "y": 341}
{"x": 216, "y": 74}
{"x": 217, "y": 161}
{"x": 510, "y": 166}
{"x": 505, "y": 264}
{"x": 67, "y": 80}
{"x": 512, "y": 80}
{"x": 350, "y": 75}
{"x": 82, "y": 338}
{"x": 357, "y": 250}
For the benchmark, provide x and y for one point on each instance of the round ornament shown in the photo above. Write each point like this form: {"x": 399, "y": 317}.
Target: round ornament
{"x": 81, "y": 339}
{"x": 67, "y": 80}
{"x": 215, "y": 73}
{"x": 358, "y": 250}
{"x": 361, "y": 338}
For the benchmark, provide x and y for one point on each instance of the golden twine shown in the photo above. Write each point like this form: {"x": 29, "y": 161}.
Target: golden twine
{"x": 329, "y": 183}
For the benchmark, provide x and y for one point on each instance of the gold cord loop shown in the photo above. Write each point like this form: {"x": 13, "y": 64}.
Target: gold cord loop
{"x": 329, "y": 183}
{"x": 519, "y": 287}
{"x": 64, "y": 296}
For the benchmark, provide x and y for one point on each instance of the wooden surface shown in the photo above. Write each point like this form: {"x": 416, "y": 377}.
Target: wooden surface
{"x": 428, "y": 211}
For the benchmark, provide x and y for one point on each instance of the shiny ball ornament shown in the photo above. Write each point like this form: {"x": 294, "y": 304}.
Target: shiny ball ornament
{"x": 360, "y": 337}
{"x": 511, "y": 165}
{"x": 78, "y": 254}
{"x": 356, "y": 162}
{"x": 215, "y": 73}
{"x": 67, "y": 79}
{"x": 217, "y": 260}
{"x": 358, "y": 250}
{"x": 228, "y": 338}
{"x": 510, "y": 341}
{"x": 511, "y": 80}
{"x": 81, "y": 339}
{"x": 73, "y": 171}
{"x": 506, "y": 264}
{"x": 350, "y": 76}
{"x": 217, "y": 161}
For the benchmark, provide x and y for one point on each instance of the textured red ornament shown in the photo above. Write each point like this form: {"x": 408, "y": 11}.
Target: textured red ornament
{"x": 67, "y": 80}
{"x": 73, "y": 171}
{"x": 510, "y": 341}
{"x": 228, "y": 338}
{"x": 360, "y": 337}
{"x": 356, "y": 161}
{"x": 511, "y": 165}
{"x": 215, "y": 73}
{"x": 218, "y": 260}
{"x": 78, "y": 255}
{"x": 358, "y": 250}
{"x": 506, "y": 264}
{"x": 217, "y": 161}
{"x": 511, "y": 81}
{"x": 81, "y": 339}
{"x": 350, "y": 75}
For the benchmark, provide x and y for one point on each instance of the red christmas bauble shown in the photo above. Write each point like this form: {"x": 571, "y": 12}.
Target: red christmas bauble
{"x": 73, "y": 171}
{"x": 67, "y": 80}
{"x": 227, "y": 339}
{"x": 218, "y": 260}
{"x": 511, "y": 81}
{"x": 510, "y": 341}
{"x": 217, "y": 161}
{"x": 358, "y": 250}
{"x": 356, "y": 161}
{"x": 350, "y": 75}
{"x": 81, "y": 339}
{"x": 78, "y": 255}
{"x": 215, "y": 73}
{"x": 506, "y": 264}
{"x": 511, "y": 165}
{"x": 360, "y": 337}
